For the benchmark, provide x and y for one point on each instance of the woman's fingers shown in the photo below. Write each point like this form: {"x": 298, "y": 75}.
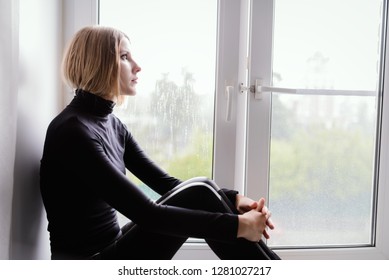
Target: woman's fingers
{"x": 270, "y": 224}
{"x": 261, "y": 204}
{"x": 263, "y": 208}
{"x": 265, "y": 234}
{"x": 245, "y": 204}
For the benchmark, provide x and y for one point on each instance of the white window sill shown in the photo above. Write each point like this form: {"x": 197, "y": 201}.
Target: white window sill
{"x": 200, "y": 251}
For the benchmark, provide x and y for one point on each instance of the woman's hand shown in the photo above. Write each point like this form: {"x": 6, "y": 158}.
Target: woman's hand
{"x": 245, "y": 204}
{"x": 252, "y": 225}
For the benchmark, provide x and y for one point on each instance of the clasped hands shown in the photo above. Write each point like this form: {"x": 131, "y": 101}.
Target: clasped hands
{"x": 254, "y": 218}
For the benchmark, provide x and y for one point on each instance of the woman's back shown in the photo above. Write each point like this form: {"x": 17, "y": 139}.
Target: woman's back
{"x": 78, "y": 217}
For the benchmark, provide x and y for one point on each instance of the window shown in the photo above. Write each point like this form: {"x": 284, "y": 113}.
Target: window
{"x": 322, "y": 154}
{"x": 317, "y": 165}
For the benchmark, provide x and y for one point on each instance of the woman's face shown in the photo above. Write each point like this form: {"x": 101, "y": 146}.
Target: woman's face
{"x": 128, "y": 70}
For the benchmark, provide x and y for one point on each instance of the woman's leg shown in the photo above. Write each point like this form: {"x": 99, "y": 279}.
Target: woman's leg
{"x": 196, "y": 194}
{"x": 139, "y": 244}
{"x": 213, "y": 199}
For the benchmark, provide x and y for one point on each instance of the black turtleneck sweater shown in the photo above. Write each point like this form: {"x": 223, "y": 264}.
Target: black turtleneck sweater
{"x": 83, "y": 183}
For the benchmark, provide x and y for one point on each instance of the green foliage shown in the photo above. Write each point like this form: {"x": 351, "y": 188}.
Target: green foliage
{"x": 322, "y": 160}
{"x": 196, "y": 161}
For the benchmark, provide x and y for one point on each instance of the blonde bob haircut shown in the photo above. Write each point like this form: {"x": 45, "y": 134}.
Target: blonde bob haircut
{"x": 92, "y": 61}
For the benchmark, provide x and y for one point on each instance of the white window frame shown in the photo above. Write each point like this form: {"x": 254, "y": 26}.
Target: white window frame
{"x": 235, "y": 154}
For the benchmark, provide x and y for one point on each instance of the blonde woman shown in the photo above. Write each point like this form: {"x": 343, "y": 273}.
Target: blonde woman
{"x": 83, "y": 181}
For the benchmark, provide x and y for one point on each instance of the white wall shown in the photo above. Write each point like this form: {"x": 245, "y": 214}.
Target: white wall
{"x": 37, "y": 89}
{"x": 8, "y": 89}
{"x": 40, "y": 51}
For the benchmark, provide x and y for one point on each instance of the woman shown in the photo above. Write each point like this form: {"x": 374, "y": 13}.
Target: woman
{"x": 83, "y": 181}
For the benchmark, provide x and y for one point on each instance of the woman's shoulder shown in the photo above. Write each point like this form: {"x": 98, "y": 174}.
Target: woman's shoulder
{"x": 116, "y": 120}
{"x": 69, "y": 124}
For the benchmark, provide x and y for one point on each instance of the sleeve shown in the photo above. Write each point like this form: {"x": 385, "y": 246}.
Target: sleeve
{"x": 139, "y": 164}
{"x": 231, "y": 196}
{"x": 114, "y": 187}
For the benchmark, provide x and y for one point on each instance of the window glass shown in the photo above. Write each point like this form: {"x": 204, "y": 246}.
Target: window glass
{"x": 171, "y": 117}
{"x": 323, "y": 146}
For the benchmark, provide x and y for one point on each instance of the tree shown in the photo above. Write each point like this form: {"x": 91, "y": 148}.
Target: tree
{"x": 175, "y": 109}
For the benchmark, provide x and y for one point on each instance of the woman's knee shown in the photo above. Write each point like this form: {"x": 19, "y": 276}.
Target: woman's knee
{"x": 203, "y": 182}
{"x": 197, "y": 193}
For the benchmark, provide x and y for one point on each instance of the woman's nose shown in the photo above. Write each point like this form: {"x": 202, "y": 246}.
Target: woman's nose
{"x": 136, "y": 67}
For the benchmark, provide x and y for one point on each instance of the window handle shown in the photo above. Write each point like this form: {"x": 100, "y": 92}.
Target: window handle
{"x": 229, "y": 91}
{"x": 258, "y": 89}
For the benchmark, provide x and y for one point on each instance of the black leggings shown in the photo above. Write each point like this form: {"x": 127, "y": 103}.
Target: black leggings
{"x": 197, "y": 194}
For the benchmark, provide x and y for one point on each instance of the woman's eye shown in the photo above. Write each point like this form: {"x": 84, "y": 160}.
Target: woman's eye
{"x": 124, "y": 57}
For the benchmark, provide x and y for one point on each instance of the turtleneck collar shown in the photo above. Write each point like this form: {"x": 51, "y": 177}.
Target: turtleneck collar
{"x": 92, "y": 103}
